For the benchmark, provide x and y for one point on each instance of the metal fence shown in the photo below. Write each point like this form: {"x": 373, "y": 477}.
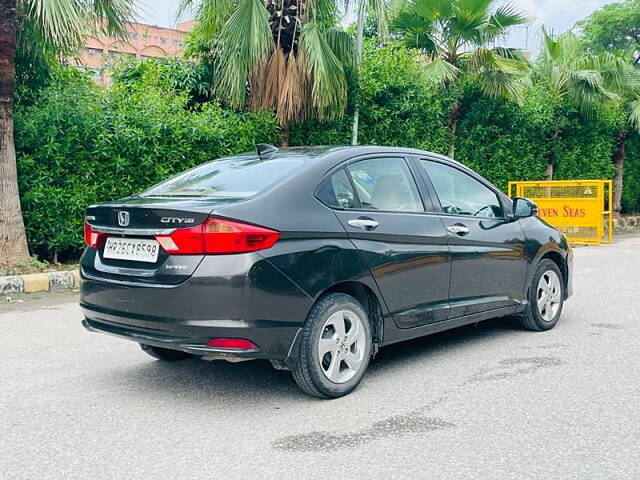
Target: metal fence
{"x": 581, "y": 209}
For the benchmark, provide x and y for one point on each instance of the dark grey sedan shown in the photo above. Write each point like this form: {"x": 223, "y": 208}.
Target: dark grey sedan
{"x": 314, "y": 258}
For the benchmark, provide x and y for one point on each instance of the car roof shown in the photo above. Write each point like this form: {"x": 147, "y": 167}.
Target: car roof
{"x": 335, "y": 155}
{"x": 347, "y": 151}
{"x": 332, "y": 155}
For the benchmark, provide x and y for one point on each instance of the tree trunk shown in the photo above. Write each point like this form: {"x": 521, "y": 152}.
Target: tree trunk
{"x": 286, "y": 130}
{"x": 618, "y": 161}
{"x": 13, "y": 240}
{"x": 357, "y": 62}
{"x": 548, "y": 172}
{"x": 453, "y": 127}
{"x": 356, "y": 125}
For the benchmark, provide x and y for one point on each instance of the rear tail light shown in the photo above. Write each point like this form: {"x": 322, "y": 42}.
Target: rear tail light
{"x": 218, "y": 236}
{"x": 92, "y": 238}
{"x": 234, "y": 343}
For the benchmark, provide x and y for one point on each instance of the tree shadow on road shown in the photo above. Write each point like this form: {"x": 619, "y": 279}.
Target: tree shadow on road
{"x": 422, "y": 349}
{"x": 245, "y": 384}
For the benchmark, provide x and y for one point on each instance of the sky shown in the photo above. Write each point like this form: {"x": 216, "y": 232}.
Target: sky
{"x": 557, "y": 15}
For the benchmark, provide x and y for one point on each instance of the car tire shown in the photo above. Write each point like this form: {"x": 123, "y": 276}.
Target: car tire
{"x": 165, "y": 354}
{"x": 545, "y": 298}
{"x": 332, "y": 359}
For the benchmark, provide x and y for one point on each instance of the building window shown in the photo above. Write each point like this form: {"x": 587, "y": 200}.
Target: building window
{"x": 163, "y": 41}
{"x": 132, "y": 36}
{"x": 178, "y": 43}
{"x": 93, "y": 52}
{"x": 115, "y": 57}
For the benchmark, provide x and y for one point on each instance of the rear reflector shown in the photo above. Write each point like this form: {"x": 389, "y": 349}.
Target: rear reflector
{"x": 93, "y": 239}
{"x": 235, "y": 343}
{"x": 217, "y": 236}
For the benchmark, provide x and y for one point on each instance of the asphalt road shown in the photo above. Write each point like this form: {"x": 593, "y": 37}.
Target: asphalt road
{"x": 486, "y": 402}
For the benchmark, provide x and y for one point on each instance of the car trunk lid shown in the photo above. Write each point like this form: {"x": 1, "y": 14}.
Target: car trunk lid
{"x": 139, "y": 218}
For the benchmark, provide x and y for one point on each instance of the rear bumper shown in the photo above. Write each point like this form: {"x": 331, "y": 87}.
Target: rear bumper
{"x": 235, "y": 296}
{"x": 274, "y": 341}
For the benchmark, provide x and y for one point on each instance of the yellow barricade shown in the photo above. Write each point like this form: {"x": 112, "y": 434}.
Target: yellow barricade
{"x": 580, "y": 209}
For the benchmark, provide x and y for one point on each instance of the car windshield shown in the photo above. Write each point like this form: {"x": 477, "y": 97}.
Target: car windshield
{"x": 239, "y": 177}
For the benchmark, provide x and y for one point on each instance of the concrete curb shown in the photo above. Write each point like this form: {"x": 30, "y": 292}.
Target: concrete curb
{"x": 40, "y": 282}
{"x": 626, "y": 224}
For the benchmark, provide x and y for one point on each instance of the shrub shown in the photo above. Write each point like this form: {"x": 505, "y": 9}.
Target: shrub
{"x": 501, "y": 140}
{"x": 631, "y": 186}
{"x": 397, "y": 107}
{"x": 171, "y": 74}
{"x": 508, "y": 142}
{"x": 78, "y": 144}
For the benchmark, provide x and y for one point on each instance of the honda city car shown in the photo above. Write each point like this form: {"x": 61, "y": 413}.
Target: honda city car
{"x": 314, "y": 258}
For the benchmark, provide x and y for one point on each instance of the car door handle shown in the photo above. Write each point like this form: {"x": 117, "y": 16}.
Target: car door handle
{"x": 363, "y": 223}
{"x": 458, "y": 229}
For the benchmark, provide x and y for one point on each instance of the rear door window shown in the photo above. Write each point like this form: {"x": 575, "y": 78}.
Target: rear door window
{"x": 385, "y": 184}
{"x": 337, "y": 191}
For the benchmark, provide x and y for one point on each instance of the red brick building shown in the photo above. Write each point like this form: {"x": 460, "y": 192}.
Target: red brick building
{"x": 144, "y": 41}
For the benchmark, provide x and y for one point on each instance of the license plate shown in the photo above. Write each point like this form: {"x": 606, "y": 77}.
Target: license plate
{"x": 134, "y": 249}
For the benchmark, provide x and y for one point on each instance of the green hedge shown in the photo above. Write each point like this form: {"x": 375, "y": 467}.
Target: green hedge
{"x": 501, "y": 140}
{"x": 397, "y": 107}
{"x": 78, "y": 144}
{"x": 631, "y": 189}
{"x": 508, "y": 142}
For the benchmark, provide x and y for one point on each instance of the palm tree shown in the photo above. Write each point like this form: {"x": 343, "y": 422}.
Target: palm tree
{"x": 587, "y": 81}
{"x": 458, "y": 37}
{"x": 281, "y": 55}
{"x": 38, "y": 27}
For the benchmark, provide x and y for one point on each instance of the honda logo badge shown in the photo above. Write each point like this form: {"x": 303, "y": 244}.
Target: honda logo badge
{"x": 123, "y": 218}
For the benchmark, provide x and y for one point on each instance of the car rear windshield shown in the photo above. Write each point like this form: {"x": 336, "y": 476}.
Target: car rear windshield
{"x": 239, "y": 177}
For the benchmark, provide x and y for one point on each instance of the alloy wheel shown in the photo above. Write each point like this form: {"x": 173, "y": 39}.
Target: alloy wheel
{"x": 341, "y": 347}
{"x": 549, "y": 295}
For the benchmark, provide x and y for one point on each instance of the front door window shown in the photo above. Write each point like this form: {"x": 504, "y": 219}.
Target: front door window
{"x": 461, "y": 194}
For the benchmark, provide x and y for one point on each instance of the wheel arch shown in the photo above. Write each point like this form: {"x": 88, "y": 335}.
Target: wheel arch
{"x": 369, "y": 300}
{"x": 557, "y": 258}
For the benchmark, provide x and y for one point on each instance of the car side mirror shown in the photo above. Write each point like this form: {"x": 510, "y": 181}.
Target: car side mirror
{"x": 523, "y": 208}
